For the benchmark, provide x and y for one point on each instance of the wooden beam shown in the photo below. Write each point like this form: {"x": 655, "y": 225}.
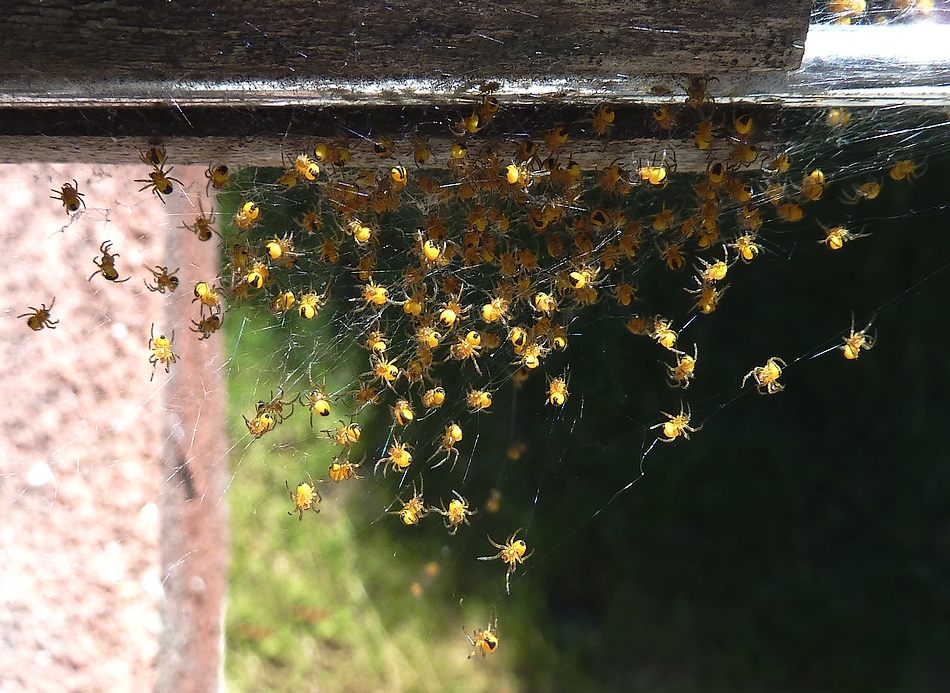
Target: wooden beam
{"x": 46, "y": 42}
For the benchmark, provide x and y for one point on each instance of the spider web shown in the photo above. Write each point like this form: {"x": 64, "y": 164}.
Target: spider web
{"x": 744, "y": 554}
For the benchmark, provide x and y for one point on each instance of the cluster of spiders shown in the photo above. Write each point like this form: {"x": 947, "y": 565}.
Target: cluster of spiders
{"x": 456, "y": 280}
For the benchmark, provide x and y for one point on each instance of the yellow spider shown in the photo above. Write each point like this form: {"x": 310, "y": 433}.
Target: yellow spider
{"x": 676, "y": 426}
{"x": 485, "y": 641}
{"x": 414, "y": 509}
{"x": 837, "y": 236}
{"x": 557, "y": 391}
{"x": 218, "y": 176}
{"x": 341, "y": 471}
{"x": 345, "y": 435}
{"x": 513, "y": 553}
{"x": 317, "y": 401}
{"x": 159, "y": 181}
{"x": 260, "y": 424}
{"x": 398, "y": 457}
{"x": 311, "y": 303}
{"x": 478, "y": 400}
{"x": 452, "y": 435}
{"x": 402, "y": 412}
{"x": 856, "y": 341}
{"x": 161, "y": 351}
{"x": 681, "y": 373}
{"x": 766, "y": 377}
{"x": 433, "y": 398}
{"x": 456, "y": 514}
{"x": 275, "y": 407}
{"x": 305, "y": 497}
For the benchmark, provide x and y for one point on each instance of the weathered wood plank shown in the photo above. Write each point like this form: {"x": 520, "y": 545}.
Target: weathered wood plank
{"x": 47, "y": 41}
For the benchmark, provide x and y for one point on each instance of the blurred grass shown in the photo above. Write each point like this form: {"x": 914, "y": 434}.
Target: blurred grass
{"x": 326, "y": 603}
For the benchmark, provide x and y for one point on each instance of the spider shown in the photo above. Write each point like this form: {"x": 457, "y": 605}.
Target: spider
{"x": 384, "y": 147}
{"x": 317, "y": 400}
{"x": 665, "y": 117}
{"x": 341, "y": 471}
{"x": 557, "y": 391}
{"x": 207, "y": 326}
{"x": 402, "y": 412}
{"x": 414, "y": 509}
{"x": 864, "y": 191}
{"x": 604, "y": 120}
{"x": 385, "y": 370}
{"x": 159, "y": 181}
{"x": 789, "y": 212}
{"x": 283, "y": 302}
{"x": 164, "y": 280}
{"x": 663, "y": 333}
{"x": 208, "y": 295}
{"x": 275, "y": 407}
{"x": 260, "y": 424}
{"x": 161, "y": 351}
{"x": 855, "y": 341}
{"x": 457, "y": 513}
{"x": 813, "y": 185}
{"x": 70, "y": 196}
{"x": 346, "y": 434}
{"x": 375, "y": 295}
{"x": 766, "y": 377}
{"x": 452, "y": 312}
{"x": 697, "y": 91}
{"x": 40, "y": 317}
{"x": 281, "y": 250}
{"x": 544, "y": 303}
{"x": 704, "y": 134}
{"x": 743, "y": 154}
{"x": 676, "y": 426}
{"x": 837, "y": 236}
{"x": 513, "y": 552}
{"x": 485, "y": 640}
{"x": 257, "y": 276}
{"x": 674, "y": 258}
{"x": 202, "y": 227}
{"x": 305, "y": 497}
{"x": 306, "y": 169}
{"x": 433, "y": 398}
{"x": 153, "y": 157}
{"x": 714, "y": 271}
{"x": 218, "y": 177}
{"x": 311, "y": 303}
{"x": 247, "y": 215}
{"x": 583, "y": 277}
{"x": 107, "y": 264}
{"x": 420, "y": 150}
{"x": 452, "y": 435}
{"x": 681, "y": 373}
{"x": 746, "y": 247}
{"x": 478, "y": 400}
{"x": 398, "y": 457}
{"x": 708, "y": 294}
{"x": 468, "y": 347}
{"x": 399, "y": 177}
{"x": 657, "y": 175}
{"x": 906, "y": 169}
{"x": 365, "y": 395}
